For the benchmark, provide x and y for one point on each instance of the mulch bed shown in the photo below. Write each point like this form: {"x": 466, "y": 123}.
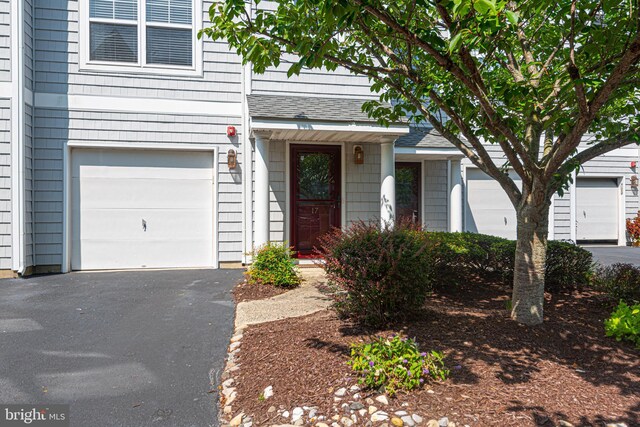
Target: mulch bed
{"x": 509, "y": 374}
{"x": 248, "y": 292}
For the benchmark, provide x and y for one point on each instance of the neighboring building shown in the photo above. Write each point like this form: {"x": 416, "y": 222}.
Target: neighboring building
{"x": 119, "y": 131}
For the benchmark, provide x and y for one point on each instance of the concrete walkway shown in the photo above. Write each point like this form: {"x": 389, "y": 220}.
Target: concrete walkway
{"x": 298, "y": 302}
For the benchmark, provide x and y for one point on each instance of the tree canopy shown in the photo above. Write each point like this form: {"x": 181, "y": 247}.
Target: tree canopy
{"x": 510, "y": 73}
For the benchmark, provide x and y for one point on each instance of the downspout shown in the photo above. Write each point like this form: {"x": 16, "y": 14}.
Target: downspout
{"x": 17, "y": 147}
{"x": 247, "y": 170}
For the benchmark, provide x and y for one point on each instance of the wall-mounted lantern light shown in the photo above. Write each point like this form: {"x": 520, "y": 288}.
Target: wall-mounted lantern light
{"x": 232, "y": 161}
{"x": 358, "y": 155}
{"x": 634, "y": 181}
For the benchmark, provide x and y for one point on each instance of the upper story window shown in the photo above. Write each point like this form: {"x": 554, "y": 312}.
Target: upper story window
{"x": 141, "y": 34}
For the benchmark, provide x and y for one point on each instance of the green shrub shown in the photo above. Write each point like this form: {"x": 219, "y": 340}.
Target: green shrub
{"x": 273, "y": 265}
{"x": 395, "y": 364}
{"x": 381, "y": 274}
{"x": 456, "y": 255}
{"x": 624, "y": 323}
{"x": 620, "y": 281}
{"x": 568, "y": 266}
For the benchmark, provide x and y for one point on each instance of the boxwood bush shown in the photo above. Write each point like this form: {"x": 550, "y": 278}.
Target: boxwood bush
{"x": 382, "y": 274}
{"x": 619, "y": 281}
{"x": 273, "y": 264}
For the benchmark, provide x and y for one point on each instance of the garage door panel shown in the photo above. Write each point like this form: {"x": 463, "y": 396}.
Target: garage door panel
{"x": 100, "y": 254}
{"x": 114, "y": 191}
{"x": 143, "y": 193}
{"x": 138, "y": 164}
{"x": 488, "y": 209}
{"x": 160, "y": 223}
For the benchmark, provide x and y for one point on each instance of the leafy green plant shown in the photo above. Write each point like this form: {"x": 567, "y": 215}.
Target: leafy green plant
{"x": 380, "y": 274}
{"x": 619, "y": 281}
{"x": 395, "y": 364}
{"x": 624, "y": 323}
{"x": 274, "y": 265}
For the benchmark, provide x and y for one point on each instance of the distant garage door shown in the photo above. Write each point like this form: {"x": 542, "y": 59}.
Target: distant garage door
{"x": 141, "y": 209}
{"x": 597, "y": 209}
{"x": 488, "y": 209}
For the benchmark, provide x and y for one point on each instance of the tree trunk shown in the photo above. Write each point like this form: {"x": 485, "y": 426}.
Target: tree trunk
{"x": 530, "y": 261}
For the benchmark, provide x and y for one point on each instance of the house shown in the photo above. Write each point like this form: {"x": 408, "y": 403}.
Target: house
{"x": 125, "y": 142}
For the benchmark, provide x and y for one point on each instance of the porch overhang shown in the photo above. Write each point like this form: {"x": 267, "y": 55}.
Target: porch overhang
{"x": 323, "y": 131}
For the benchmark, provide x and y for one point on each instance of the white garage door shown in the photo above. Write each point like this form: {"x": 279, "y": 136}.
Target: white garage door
{"x": 488, "y": 209}
{"x": 141, "y": 209}
{"x": 597, "y": 209}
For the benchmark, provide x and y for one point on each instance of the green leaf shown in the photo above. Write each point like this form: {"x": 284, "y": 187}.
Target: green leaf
{"x": 512, "y": 17}
{"x": 485, "y": 6}
{"x": 455, "y": 42}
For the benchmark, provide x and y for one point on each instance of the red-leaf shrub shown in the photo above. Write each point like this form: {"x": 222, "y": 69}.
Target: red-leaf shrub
{"x": 633, "y": 229}
{"x": 380, "y": 274}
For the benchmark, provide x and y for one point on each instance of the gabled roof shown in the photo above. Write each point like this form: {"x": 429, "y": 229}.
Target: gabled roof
{"x": 307, "y": 108}
{"x": 423, "y": 137}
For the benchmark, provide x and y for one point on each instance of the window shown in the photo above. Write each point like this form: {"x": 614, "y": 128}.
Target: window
{"x": 142, "y": 34}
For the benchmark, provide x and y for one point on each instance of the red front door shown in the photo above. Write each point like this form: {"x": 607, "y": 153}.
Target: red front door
{"x": 315, "y": 194}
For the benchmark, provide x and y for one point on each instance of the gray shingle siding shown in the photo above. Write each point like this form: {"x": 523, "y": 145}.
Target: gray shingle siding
{"x": 5, "y": 184}
{"x": 53, "y": 128}
{"x": 362, "y": 196}
{"x": 58, "y": 70}
{"x": 436, "y": 198}
{"x": 5, "y": 40}
{"x": 28, "y": 44}
{"x": 29, "y": 202}
{"x": 562, "y": 217}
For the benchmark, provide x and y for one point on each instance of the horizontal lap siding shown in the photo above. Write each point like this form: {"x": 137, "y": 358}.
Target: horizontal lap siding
{"x": 436, "y": 199}
{"x": 5, "y": 40}
{"x": 5, "y": 184}
{"x": 28, "y": 187}
{"x": 57, "y": 67}
{"x": 339, "y": 83}
{"x": 362, "y": 196}
{"x": 54, "y": 127}
{"x": 277, "y": 190}
{"x": 562, "y": 217}
{"x": 28, "y": 44}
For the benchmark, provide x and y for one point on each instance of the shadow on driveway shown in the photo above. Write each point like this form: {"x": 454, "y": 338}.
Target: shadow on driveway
{"x": 122, "y": 348}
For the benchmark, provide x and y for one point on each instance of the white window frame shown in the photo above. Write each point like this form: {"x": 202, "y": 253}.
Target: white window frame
{"x": 140, "y": 67}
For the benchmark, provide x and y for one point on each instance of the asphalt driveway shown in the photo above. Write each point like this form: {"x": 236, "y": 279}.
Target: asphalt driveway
{"x": 122, "y": 348}
{"x": 608, "y": 255}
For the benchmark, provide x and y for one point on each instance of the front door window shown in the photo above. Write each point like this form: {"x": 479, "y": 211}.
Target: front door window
{"x": 408, "y": 189}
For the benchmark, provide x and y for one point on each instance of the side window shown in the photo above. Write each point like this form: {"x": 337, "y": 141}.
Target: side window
{"x": 113, "y": 28}
{"x": 169, "y": 32}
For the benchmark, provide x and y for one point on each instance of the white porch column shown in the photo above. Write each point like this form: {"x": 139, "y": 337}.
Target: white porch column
{"x": 261, "y": 229}
{"x": 387, "y": 184}
{"x": 455, "y": 196}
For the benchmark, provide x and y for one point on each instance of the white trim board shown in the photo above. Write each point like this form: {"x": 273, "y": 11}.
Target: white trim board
{"x": 284, "y": 124}
{"x": 136, "y": 105}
